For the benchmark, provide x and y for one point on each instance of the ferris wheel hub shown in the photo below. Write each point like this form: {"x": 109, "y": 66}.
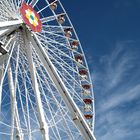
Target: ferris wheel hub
{"x": 31, "y": 17}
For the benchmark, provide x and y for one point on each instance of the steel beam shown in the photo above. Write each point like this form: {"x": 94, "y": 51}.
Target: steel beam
{"x": 7, "y": 24}
{"x": 14, "y": 110}
{"x": 41, "y": 116}
{"x": 76, "y": 114}
{"x": 7, "y": 31}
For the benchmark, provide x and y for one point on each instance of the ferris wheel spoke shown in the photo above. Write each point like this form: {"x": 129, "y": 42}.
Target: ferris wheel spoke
{"x": 61, "y": 52}
{"x": 62, "y": 44}
{"x": 22, "y": 107}
{"x": 50, "y": 18}
{"x": 15, "y": 110}
{"x": 71, "y": 89}
{"x": 3, "y": 16}
{"x": 67, "y": 73}
{"x": 8, "y": 4}
{"x": 33, "y": 2}
{"x": 50, "y": 40}
{"x": 54, "y": 34}
{"x": 46, "y": 6}
{"x": 5, "y": 7}
{"x": 27, "y": 93}
{"x": 58, "y": 51}
{"x": 61, "y": 64}
{"x": 23, "y": 75}
{"x": 15, "y": 122}
{"x": 55, "y": 29}
{"x": 50, "y": 111}
{"x": 4, "y": 10}
{"x": 13, "y": 102}
{"x": 75, "y": 95}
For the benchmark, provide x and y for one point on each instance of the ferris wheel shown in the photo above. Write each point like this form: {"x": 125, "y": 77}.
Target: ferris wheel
{"x": 45, "y": 86}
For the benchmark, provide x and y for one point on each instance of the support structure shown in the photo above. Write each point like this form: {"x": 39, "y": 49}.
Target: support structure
{"x": 1, "y": 72}
{"x": 14, "y": 111}
{"x": 76, "y": 114}
{"x": 5, "y": 32}
{"x": 4, "y": 49}
{"x": 7, "y": 24}
{"x": 41, "y": 116}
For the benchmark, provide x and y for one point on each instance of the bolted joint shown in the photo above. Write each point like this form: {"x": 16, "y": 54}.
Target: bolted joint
{"x": 75, "y": 118}
{"x": 19, "y": 135}
{"x": 43, "y": 128}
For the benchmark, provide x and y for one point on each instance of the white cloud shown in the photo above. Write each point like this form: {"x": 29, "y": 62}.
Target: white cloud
{"x": 122, "y": 97}
{"x": 117, "y": 87}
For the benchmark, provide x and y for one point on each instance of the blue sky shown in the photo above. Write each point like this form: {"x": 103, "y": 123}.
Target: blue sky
{"x": 109, "y": 31}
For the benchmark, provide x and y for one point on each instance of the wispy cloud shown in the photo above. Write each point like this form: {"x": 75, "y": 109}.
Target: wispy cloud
{"x": 117, "y": 89}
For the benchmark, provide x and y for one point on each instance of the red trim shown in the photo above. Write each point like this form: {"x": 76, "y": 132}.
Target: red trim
{"x": 88, "y": 116}
{"x": 25, "y": 7}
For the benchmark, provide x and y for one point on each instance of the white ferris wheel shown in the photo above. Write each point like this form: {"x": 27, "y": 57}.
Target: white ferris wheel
{"x": 45, "y": 85}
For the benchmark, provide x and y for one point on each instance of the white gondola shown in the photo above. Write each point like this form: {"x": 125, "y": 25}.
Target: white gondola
{"x": 68, "y": 32}
{"x": 87, "y": 107}
{"x": 86, "y": 92}
{"x": 53, "y": 6}
{"x": 61, "y": 19}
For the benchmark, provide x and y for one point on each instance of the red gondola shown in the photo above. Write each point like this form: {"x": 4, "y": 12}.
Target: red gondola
{"x": 88, "y": 116}
{"x": 74, "y": 45}
{"x": 87, "y": 101}
{"x": 79, "y": 59}
{"x": 83, "y": 72}
{"x": 86, "y": 86}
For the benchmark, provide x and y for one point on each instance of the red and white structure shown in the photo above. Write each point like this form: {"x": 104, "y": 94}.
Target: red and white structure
{"x": 45, "y": 86}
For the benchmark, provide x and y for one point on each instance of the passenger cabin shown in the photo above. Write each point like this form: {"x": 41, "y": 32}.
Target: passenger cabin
{"x": 88, "y": 116}
{"x": 79, "y": 59}
{"x": 87, "y": 101}
{"x": 83, "y": 73}
{"x": 68, "y": 32}
{"x": 87, "y": 107}
{"x": 61, "y": 19}
{"x": 53, "y": 4}
{"x": 86, "y": 92}
{"x": 74, "y": 45}
{"x": 86, "y": 86}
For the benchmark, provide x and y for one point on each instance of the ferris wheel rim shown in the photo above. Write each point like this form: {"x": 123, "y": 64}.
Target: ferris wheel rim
{"x": 79, "y": 44}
